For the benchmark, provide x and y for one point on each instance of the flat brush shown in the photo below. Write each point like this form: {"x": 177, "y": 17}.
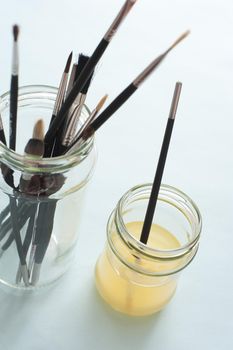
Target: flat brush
{"x": 160, "y": 167}
{"x": 62, "y": 88}
{"x": 85, "y": 126}
{"x": 130, "y": 89}
{"x": 89, "y": 67}
{"x": 14, "y": 89}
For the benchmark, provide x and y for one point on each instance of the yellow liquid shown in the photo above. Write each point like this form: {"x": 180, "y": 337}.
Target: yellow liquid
{"x": 128, "y": 291}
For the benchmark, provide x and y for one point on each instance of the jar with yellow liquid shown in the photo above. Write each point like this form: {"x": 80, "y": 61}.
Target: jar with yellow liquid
{"x": 139, "y": 279}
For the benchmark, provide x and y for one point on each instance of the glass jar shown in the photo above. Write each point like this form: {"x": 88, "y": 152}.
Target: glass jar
{"x": 39, "y": 220}
{"x": 139, "y": 279}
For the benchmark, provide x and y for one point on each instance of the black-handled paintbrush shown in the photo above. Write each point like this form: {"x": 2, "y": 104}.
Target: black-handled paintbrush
{"x": 18, "y": 241}
{"x": 14, "y": 90}
{"x": 126, "y": 93}
{"x": 160, "y": 167}
{"x": 68, "y": 128}
{"x": 84, "y": 76}
{"x": 62, "y": 88}
{"x": 84, "y": 128}
{"x": 44, "y": 230}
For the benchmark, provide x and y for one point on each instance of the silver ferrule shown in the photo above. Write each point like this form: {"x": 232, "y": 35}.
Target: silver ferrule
{"x": 71, "y": 80}
{"x": 73, "y": 119}
{"x": 33, "y": 251}
{"x": 147, "y": 71}
{"x": 60, "y": 94}
{"x": 1, "y": 123}
{"x": 15, "y": 59}
{"x": 75, "y": 146}
{"x": 86, "y": 124}
{"x": 35, "y": 274}
{"x": 24, "y": 272}
{"x": 175, "y": 100}
{"x": 18, "y": 275}
{"x": 119, "y": 19}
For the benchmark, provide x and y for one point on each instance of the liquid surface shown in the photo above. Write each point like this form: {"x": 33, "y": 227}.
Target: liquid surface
{"x": 128, "y": 291}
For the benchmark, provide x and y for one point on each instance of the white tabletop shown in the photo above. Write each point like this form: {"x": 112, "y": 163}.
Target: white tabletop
{"x": 71, "y": 315}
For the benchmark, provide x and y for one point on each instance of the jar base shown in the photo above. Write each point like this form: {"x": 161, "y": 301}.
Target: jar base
{"x": 127, "y": 307}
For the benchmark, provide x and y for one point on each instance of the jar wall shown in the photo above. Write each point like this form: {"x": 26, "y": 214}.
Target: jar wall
{"x": 139, "y": 279}
{"x": 57, "y": 189}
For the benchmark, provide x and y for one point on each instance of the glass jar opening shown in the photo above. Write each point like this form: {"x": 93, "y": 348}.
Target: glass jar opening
{"x": 36, "y": 102}
{"x": 175, "y": 212}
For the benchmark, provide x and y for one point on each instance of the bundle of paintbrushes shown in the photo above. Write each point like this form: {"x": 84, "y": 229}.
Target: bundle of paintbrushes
{"x": 32, "y": 203}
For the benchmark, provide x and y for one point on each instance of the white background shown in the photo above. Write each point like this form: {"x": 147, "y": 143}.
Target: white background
{"x": 200, "y": 162}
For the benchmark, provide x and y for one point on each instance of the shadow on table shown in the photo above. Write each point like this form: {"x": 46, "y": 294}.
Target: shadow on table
{"x": 113, "y": 329}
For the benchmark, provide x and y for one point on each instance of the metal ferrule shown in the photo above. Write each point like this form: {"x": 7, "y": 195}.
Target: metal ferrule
{"x": 119, "y": 18}
{"x": 71, "y": 80}
{"x": 60, "y": 94}
{"x": 15, "y": 59}
{"x": 35, "y": 273}
{"x": 85, "y": 125}
{"x": 24, "y": 272}
{"x": 18, "y": 275}
{"x": 147, "y": 71}
{"x": 175, "y": 100}
{"x": 73, "y": 118}
{"x": 1, "y": 123}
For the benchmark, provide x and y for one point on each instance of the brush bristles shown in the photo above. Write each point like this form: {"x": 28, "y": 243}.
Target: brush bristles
{"x": 180, "y": 38}
{"x": 15, "y": 32}
{"x": 38, "y": 130}
{"x": 101, "y": 103}
{"x": 34, "y": 147}
{"x": 68, "y": 63}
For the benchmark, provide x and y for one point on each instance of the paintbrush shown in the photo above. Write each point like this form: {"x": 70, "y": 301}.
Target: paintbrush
{"x": 34, "y": 149}
{"x": 44, "y": 230}
{"x": 86, "y": 72}
{"x": 72, "y": 121}
{"x": 71, "y": 80}
{"x": 18, "y": 241}
{"x": 160, "y": 167}
{"x": 86, "y": 124}
{"x": 14, "y": 89}
{"x": 126, "y": 93}
{"x": 68, "y": 129}
{"x": 30, "y": 184}
{"x": 62, "y": 88}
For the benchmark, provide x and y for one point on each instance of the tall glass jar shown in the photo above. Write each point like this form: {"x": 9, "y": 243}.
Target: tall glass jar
{"x": 139, "y": 279}
{"x": 39, "y": 220}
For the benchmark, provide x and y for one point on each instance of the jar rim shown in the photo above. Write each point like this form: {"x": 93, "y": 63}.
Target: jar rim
{"x": 131, "y": 241}
{"x": 52, "y": 164}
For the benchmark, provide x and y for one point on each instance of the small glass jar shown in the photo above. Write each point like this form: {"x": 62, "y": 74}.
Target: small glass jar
{"x": 138, "y": 279}
{"x": 43, "y": 214}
